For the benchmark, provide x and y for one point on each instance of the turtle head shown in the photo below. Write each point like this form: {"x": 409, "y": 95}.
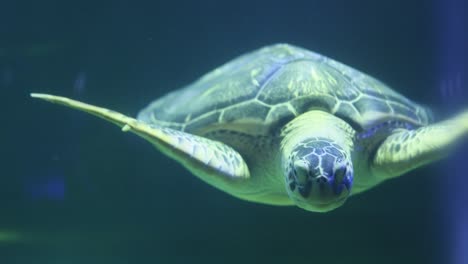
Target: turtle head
{"x": 318, "y": 174}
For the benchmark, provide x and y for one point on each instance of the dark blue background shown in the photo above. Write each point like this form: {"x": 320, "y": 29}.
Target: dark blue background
{"x": 77, "y": 190}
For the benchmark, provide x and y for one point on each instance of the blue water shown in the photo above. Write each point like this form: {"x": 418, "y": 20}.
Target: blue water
{"x": 74, "y": 189}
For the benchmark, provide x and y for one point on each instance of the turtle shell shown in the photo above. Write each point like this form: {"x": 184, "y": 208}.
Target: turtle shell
{"x": 260, "y": 91}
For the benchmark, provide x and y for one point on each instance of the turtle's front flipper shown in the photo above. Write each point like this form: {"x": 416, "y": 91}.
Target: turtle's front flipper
{"x": 408, "y": 149}
{"x": 212, "y": 161}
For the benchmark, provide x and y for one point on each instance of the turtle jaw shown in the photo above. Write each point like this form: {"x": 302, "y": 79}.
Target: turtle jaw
{"x": 322, "y": 198}
{"x": 322, "y": 195}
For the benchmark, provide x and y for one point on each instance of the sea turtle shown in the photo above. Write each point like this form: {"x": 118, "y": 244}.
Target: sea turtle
{"x": 285, "y": 126}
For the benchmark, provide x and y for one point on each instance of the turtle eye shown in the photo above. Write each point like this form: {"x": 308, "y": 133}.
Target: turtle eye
{"x": 301, "y": 171}
{"x": 340, "y": 174}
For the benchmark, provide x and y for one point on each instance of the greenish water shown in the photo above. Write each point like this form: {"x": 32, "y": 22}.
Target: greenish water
{"x": 74, "y": 189}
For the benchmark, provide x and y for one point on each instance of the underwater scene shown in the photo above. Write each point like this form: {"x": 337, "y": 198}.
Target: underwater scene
{"x": 306, "y": 132}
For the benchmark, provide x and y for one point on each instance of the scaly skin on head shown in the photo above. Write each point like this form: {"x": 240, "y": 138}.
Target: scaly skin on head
{"x": 316, "y": 160}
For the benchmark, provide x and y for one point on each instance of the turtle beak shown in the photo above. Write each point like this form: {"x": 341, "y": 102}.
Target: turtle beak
{"x": 331, "y": 192}
{"x": 322, "y": 193}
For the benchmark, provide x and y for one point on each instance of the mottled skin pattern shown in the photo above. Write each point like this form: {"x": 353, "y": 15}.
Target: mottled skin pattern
{"x": 283, "y": 126}
{"x": 413, "y": 148}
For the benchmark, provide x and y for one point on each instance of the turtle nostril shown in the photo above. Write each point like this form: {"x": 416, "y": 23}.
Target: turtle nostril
{"x": 322, "y": 179}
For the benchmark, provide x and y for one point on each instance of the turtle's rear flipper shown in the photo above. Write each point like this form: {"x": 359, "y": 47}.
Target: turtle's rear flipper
{"x": 408, "y": 149}
{"x": 212, "y": 161}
